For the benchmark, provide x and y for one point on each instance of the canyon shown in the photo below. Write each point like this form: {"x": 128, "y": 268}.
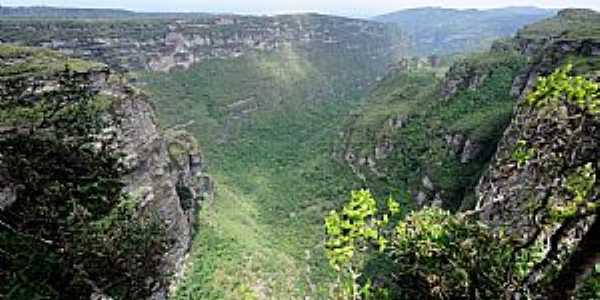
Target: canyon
{"x": 242, "y": 132}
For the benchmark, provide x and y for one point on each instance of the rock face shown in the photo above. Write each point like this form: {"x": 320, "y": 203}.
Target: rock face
{"x": 542, "y": 152}
{"x": 165, "y": 44}
{"x": 528, "y": 198}
{"x": 463, "y": 75}
{"x": 563, "y": 143}
{"x": 163, "y": 170}
{"x": 165, "y": 175}
{"x": 463, "y": 147}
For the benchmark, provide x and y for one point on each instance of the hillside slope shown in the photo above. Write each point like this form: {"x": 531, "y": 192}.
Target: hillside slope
{"x": 446, "y": 31}
{"x": 433, "y": 137}
{"x": 429, "y": 137}
{"x": 266, "y": 120}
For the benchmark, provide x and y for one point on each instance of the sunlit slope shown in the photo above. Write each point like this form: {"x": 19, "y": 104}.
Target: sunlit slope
{"x": 266, "y": 122}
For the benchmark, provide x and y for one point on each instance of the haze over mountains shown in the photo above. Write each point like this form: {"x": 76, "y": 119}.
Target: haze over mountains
{"x": 431, "y": 30}
{"x": 429, "y": 153}
{"x": 445, "y": 31}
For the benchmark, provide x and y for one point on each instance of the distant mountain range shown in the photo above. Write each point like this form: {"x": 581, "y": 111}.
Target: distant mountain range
{"x": 437, "y": 30}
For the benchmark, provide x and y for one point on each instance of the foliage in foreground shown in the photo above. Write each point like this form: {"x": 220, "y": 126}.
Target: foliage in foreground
{"x": 435, "y": 255}
{"x": 439, "y": 255}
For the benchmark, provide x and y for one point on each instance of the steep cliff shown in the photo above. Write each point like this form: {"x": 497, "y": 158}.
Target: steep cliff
{"x": 61, "y": 104}
{"x": 165, "y": 42}
{"x": 541, "y": 188}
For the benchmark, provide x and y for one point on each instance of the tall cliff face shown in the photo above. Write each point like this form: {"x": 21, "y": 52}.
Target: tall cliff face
{"x": 548, "y": 45}
{"x": 160, "y": 171}
{"x": 164, "y": 173}
{"x": 542, "y": 186}
{"x": 167, "y": 43}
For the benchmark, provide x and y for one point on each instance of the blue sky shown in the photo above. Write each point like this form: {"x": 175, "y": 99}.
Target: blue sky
{"x": 343, "y": 7}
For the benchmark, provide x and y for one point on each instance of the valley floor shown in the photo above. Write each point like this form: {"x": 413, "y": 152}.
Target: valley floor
{"x": 262, "y": 236}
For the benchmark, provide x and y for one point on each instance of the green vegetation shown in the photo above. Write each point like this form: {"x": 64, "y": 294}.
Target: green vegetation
{"x": 435, "y": 254}
{"x": 559, "y": 86}
{"x": 421, "y": 145}
{"x": 70, "y": 231}
{"x": 522, "y": 154}
{"x": 569, "y": 24}
{"x": 36, "y": 61}
{"x": 351, "y": 231}
{"x": 265, "y": 123}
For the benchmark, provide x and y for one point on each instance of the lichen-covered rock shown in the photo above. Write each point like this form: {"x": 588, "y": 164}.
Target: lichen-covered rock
{"x": 462, "y": 76}
{"x": 162, "y": 181}
{"x": 541, "y": 189}
{"x": 162, "y": 171}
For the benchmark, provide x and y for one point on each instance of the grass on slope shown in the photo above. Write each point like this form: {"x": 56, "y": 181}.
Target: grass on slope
{"x": 420, "y": 148}
{"x": 24, "y": 61}
{"x": 265, "y": 123}
{"x": 569, "y": 24}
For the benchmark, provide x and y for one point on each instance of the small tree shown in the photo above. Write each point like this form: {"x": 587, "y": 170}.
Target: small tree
{"x": 439, "y": 255}
{"x": 351, "y": 233}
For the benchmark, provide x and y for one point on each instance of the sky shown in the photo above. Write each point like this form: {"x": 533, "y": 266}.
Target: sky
{"x": 339, "y": 7}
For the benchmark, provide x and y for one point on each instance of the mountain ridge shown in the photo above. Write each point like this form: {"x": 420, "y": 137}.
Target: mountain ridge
{"x": 436, "y": 30}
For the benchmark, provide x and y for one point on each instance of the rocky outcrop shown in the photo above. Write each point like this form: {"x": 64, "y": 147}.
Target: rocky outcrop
{"x": 163, "y": 171}
{"x": 461, "y": 76}
{"x": 562, "y": 142}
{"x": 548, "y": 54}
{"x": 541, "y": 188}
{"x": 170, "y": 43}
{"x": 164, "y": 175}
{"x": 555, "y": 142}
{"x": 550, "y": 43}
{"x": 464, "y": 147}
